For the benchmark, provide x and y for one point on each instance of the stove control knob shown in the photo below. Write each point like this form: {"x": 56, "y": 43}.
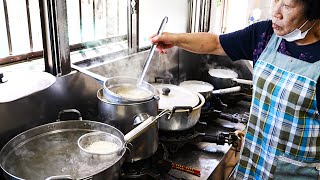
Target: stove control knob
{"x": 165, "y": 91}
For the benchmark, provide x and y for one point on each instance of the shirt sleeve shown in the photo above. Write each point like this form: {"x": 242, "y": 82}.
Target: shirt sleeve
{"x": 241, "y": 44}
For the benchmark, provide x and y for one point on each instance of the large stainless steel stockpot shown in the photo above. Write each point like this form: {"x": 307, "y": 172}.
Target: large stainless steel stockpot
{"x": 50, "y": 151}
{"x": 126, "y": 116}
{"x": 185, "y": 106}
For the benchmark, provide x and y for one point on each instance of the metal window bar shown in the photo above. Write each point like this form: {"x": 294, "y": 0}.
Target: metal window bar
{"x": 80, "y": 16}
{"x": 94, "y": 18}
{"x": 133, "y": 25}
{"x": 7, "y": 26}
{"x": 118, "y": 17}
{"x": 29, "y": 25}
{"x": 106, "y": 18}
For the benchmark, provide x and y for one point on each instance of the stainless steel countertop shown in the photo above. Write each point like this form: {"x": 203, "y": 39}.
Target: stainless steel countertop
{"x": 207, "y": 156}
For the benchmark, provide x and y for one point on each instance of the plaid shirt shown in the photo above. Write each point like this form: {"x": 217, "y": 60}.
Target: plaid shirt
{"x": 284, "y": 116}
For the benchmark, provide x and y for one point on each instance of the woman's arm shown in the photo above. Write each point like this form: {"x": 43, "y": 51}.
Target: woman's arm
{"x": 201, "y": 43}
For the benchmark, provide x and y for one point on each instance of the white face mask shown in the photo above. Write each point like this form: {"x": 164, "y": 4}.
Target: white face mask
{"x": 296, "y": 34}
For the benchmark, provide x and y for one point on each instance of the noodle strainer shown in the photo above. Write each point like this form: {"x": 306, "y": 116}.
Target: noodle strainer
{"x": 89, "y": 139}
{"x": 100, "y": 143}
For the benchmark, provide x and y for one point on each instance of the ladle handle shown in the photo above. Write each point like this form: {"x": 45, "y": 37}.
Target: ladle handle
{"x": 151, "y": 52}
{"x": 98, "y": 77}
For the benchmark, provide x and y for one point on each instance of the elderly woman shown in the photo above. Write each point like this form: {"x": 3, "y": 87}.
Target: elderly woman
{"x": 282, "y": 140}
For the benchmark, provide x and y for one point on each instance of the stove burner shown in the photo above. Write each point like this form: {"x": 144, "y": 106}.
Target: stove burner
{"x": 155, "y": 167}
{"x": 175, "y": 140}
{"x": 144, "y": 169}
{"x": 213, "y": 109}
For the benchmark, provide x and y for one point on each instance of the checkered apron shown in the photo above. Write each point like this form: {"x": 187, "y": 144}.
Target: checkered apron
{"x": 284, "y": 120}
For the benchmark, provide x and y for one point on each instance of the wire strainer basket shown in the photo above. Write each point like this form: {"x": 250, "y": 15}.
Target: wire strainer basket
{"x": 100, "y": 143}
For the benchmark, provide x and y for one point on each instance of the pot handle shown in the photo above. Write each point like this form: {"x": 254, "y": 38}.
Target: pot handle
{"x": 69, "y": 111}
{"x": 227, "y": 90}
{"x": 242, "y": 81}
{"x": 175, "y": 108}
{"x": 99, "y": 78}
{"x": 60, "y": 177}
{"x": 137, "y": 131}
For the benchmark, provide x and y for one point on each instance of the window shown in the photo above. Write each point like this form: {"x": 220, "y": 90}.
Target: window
{"x": 98, "y": 27}
{"x": 95, "y": 27}
{"x": 151, "y": 13}
{"x": 20, "y": 30}
{"x": 232, "y": 15}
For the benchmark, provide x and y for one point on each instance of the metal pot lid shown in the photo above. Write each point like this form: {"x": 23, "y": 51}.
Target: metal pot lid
{"x": 16, "y": 85}
{"x": 173, "y": 96}
{"x": 196, "y": 86}
{"x": 223, "y": 73}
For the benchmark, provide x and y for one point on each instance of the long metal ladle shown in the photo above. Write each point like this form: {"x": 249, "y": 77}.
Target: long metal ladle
{"x": 151, "y": 52}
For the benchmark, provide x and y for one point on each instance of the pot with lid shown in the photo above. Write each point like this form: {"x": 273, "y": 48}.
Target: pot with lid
{"x": 185, "y": 106}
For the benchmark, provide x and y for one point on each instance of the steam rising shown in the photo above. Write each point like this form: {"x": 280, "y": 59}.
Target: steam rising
{"x": 132, "y": 66}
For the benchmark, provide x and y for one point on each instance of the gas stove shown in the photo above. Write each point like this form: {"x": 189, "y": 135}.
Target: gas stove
{"x": 199, "y": 150}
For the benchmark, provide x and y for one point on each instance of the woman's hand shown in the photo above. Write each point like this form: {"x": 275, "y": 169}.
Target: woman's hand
{"x": 163, "y": 41}
{"x": 239, "y": 133}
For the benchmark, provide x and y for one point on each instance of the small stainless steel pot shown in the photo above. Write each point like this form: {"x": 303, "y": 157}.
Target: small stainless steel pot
{"x": 204, "y": 88}
{"x": 225, "y": 78}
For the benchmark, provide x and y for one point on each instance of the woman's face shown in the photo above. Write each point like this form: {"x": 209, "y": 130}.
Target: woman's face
{"x": 287, "y": 15}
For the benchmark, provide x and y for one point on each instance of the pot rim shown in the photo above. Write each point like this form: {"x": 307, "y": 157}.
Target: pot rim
{"x": 101, "y": 97}
{"x": 197, "y": 83}
{"x": 115, "y": 98}
{"x": 233, "y": 74}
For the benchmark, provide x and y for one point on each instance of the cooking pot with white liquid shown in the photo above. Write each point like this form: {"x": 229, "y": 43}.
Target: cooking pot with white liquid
{"x": 225, "y": 78}
{"x": 123, "y": 89}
